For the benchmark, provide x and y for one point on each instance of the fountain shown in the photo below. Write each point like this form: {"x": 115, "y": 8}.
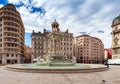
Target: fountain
{"x": 56, "y": 62}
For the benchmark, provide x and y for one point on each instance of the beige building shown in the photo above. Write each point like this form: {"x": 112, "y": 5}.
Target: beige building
{"x": 88, "y": 49}
{"x": 116, "y": 38}
{"x": 28, "y": 53}
{"x": 11, "y": 35}
{"x": 40, "y": 42}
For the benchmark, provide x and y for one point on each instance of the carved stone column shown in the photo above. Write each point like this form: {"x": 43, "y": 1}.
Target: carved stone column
{"x": 54, "y": 45}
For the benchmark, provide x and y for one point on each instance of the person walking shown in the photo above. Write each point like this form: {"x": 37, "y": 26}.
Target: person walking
{"x": 106, "y": 63}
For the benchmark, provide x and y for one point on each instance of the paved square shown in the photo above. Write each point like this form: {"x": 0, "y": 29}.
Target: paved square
{"x": 111, "y": 76}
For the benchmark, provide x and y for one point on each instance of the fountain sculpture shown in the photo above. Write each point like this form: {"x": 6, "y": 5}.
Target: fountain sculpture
{"x": 54, "y": 56}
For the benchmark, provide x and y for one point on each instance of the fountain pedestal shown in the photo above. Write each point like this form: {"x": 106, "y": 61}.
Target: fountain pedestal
{"x": 56, "y": 59}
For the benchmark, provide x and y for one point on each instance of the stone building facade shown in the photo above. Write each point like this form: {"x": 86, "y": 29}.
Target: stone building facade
{"x": 40, "y": 45}
{"x": 28, "y": 53}
{"x": 88, "y": 49}
{"x": 11, "y": 35}
{"x": 116, "y": 38}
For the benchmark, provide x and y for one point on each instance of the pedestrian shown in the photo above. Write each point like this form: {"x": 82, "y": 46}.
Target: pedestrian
{"x": 106, "y": 63}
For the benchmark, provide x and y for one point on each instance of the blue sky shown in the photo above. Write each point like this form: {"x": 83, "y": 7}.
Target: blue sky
{"x": 92, "y": 17}
{"x": 28, "y": 39}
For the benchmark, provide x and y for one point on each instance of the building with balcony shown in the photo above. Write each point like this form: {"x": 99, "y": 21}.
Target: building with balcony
{"x": 40, "y": 42}
{"x": 11, "y": 35}
{"x": 116, "y": 38}
{"x": 88, "y": 49}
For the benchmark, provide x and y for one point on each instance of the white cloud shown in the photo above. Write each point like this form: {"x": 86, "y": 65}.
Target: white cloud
{"x": 85, "y": 8}
{"x": 76, "y": 15}
{"x": 38, "y": 3}
{"x": 1, "y": 5}
{"x": 14, "y": 1}
{"x": 30, "y": 20}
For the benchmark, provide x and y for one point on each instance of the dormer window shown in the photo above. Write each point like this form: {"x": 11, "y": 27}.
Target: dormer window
{"x": 116, "y": 21}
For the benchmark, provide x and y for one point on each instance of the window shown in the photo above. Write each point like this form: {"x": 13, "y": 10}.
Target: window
{"x": 116, "y": 41}
{"x": 116, "y": 21}
{"x": 0, "y": 20}
{"x": 116, "y": 28}
{"x": 115, "y": 51}
{"x": 67, "y": 48}
{"x": 0, "y": 25}
{"x": 12, "y": 55}
{"x": 15, "y": 61}
{"x": 7, "y": 55}
{"x": 116, "y": 35}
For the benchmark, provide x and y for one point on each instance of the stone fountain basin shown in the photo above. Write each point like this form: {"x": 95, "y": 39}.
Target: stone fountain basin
{"x": 77, "y": 68}
{"x": 55, "y": 64}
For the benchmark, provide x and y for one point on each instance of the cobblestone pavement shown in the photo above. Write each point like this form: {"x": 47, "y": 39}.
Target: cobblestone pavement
{"x": 111, "y": 76}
